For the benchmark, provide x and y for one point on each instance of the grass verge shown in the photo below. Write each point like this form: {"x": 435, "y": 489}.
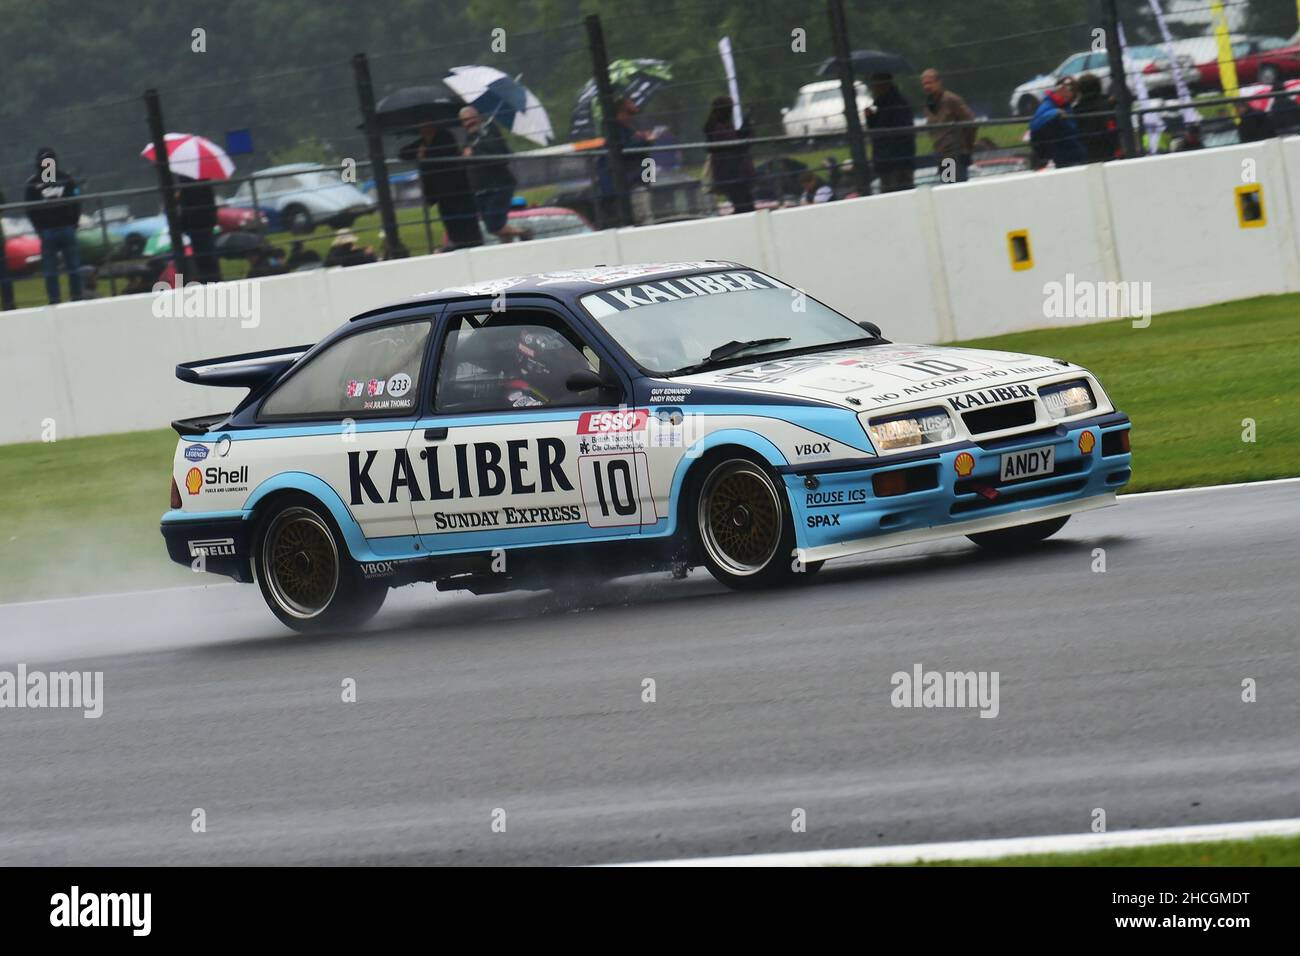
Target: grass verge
{"x": 1261, "y": 851}
{"x": 81, "y": 515}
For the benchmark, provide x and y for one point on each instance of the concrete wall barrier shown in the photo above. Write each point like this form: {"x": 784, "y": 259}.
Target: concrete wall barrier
{"x": 928, "y": 265}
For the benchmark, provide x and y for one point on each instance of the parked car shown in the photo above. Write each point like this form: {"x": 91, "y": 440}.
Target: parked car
{"x": 1258, "y": 59}
{"x": 545, "y": 222}
{"x": 819, "y": 108}
{"x": 299, "y": 196}
{"x": 239, "y": 219}
{"x": 637, "y": 417}
{"x": 22, "y": 254}
{"x": 1137, "y": 59}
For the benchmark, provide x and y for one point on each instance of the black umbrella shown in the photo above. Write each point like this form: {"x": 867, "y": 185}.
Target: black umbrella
{"x": 866, "y": 62}
{"x": 408, "y": 108}
{"x": 236, "y": 245}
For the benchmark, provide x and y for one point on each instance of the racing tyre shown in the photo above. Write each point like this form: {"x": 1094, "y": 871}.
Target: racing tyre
{"x": 307, "y": 578}
{"x": 1269, "y": 74}
{"x": 743, "y": 527}
{"x": 1027, "y": 105}
{"x": 1019, "y": 537}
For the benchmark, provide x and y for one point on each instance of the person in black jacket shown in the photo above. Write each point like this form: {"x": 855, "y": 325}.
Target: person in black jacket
{"x": 445, "y": 182}
{"x": 198, "y": 219}
{"x": 731, "y": 167}
{"x": 1099, "y": 134}
{"x": 54, "y": 216}
{"x": 493, "y": 182}
{"x": 1284, "y": 111}
{"x": 1254, "y": 124}
{"x": 894, "y": 154}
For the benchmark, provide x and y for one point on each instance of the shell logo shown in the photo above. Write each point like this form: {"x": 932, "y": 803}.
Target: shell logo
{"x": 193, "y": 481}
{"x": 964, "y": 463}
{"x": 1086, "y": 443}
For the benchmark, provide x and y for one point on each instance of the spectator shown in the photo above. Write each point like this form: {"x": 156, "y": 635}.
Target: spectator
{"x": 1100, "y": 134}
{"x": 1284, "y": 112}
{"x": 1053, "y": 131}
{"x": 730, "y": 166}
{"x": 814, "y": 189}
{"x": 344, "y": 251}
{"x": 198, "y": 219}
{"x": 894, "y": 154}
{"x": 494, "y": 184}
{"x": 6, "y": 284}
{"x": 952, "y": 147}
{"x": 628, "y": 137}
{"x": 1254, "y": 125}
{"x": 54, "y": 217}
{"x": 266, "y": 261}
{"x": 300, "y": 257}
{"x": 1191, "y": 139}
{"x": 445, "y": 183}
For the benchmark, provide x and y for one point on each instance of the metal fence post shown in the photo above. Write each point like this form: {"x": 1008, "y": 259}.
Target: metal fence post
{"x": 166, "y": 185}
{"x": 853, "y": 122}
{"x": 613, "y": 148}
{"x": 108, "y": 248}
{"x": 393, "y": 248}
{"x": 1118, "y": 80}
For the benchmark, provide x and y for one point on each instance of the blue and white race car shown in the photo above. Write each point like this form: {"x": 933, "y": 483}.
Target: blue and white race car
{"x": 602, "y": 421}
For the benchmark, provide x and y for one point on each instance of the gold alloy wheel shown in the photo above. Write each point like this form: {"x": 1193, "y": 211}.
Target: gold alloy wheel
{"x": 301, "y": 562}
{"x": 740, "y": 517}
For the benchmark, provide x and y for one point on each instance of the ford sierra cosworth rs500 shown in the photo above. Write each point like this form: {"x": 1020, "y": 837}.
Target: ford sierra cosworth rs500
{"x": 618, "y": 419}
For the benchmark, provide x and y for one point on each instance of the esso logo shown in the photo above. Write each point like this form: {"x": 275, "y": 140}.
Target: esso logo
{"x": 399, "y": 385}
{"x": 619, "y": 420}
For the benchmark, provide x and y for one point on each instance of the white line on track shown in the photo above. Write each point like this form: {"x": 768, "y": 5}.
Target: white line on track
{"x": 992, "y": 849}
{"x": 1185, "y": 491}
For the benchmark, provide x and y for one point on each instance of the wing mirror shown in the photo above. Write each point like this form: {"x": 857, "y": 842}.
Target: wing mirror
{"x": 872, "y": 328}
{"x": 585, "y": 380}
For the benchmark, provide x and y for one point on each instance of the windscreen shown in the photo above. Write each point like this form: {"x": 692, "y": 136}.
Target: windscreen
{"x": 668, "y": 325}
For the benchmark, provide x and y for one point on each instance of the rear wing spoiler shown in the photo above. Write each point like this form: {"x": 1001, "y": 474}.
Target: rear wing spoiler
{"x": 250, "y": 370}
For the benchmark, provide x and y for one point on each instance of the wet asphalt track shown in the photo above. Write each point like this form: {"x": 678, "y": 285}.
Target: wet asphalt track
{"x": 1118, "y": 690}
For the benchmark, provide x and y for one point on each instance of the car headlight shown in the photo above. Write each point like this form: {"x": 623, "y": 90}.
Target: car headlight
{"x": 1067, "y": 398}
{"x": 924, "y": 426}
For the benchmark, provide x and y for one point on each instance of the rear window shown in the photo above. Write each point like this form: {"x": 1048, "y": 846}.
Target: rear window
{"x": 371, "y": 374}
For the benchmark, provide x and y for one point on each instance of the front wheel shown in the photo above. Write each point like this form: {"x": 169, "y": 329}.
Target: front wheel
{"x": 1019, "y": 537}
{"x": 743, "y": 527}
{"x": 307, "y": 578}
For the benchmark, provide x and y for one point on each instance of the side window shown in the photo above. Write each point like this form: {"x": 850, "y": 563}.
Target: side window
{"x": 368, "y": 375}
{"x": 519, "y": 358}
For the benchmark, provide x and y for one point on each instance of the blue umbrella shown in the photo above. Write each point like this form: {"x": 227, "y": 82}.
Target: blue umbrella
{"x": 502, "y": 99}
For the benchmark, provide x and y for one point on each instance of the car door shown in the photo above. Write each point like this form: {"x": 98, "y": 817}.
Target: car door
{"x": 511, "y": 456}
{"x": 345, "y": 418}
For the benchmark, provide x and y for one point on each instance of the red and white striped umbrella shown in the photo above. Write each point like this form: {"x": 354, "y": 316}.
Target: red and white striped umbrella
{"x": 194, "y": 156}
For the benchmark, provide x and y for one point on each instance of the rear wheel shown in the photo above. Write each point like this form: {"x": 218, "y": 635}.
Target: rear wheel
{"x": 1019, "y": 537}
{"x": 743, "y": 527}
{"x": 307, "y": 578}
{"x": 1269, "y": 74}
{"x": 298, "y": 220}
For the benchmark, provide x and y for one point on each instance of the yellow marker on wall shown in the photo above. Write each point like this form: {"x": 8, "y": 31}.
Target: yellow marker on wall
{"x": 1250, "y": 206}
{"x": 1022, "y": 254}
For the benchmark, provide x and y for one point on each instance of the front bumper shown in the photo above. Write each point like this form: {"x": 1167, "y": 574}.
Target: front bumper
{"x": 215, "y": 545}
{"x": 837, "y": 511}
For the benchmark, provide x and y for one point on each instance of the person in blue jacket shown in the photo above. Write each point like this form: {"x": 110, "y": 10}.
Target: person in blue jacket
{"x": 1053, "y": 131}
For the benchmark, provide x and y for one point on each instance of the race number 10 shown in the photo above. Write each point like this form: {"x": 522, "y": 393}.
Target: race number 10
{"x": 609, "y": 490}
